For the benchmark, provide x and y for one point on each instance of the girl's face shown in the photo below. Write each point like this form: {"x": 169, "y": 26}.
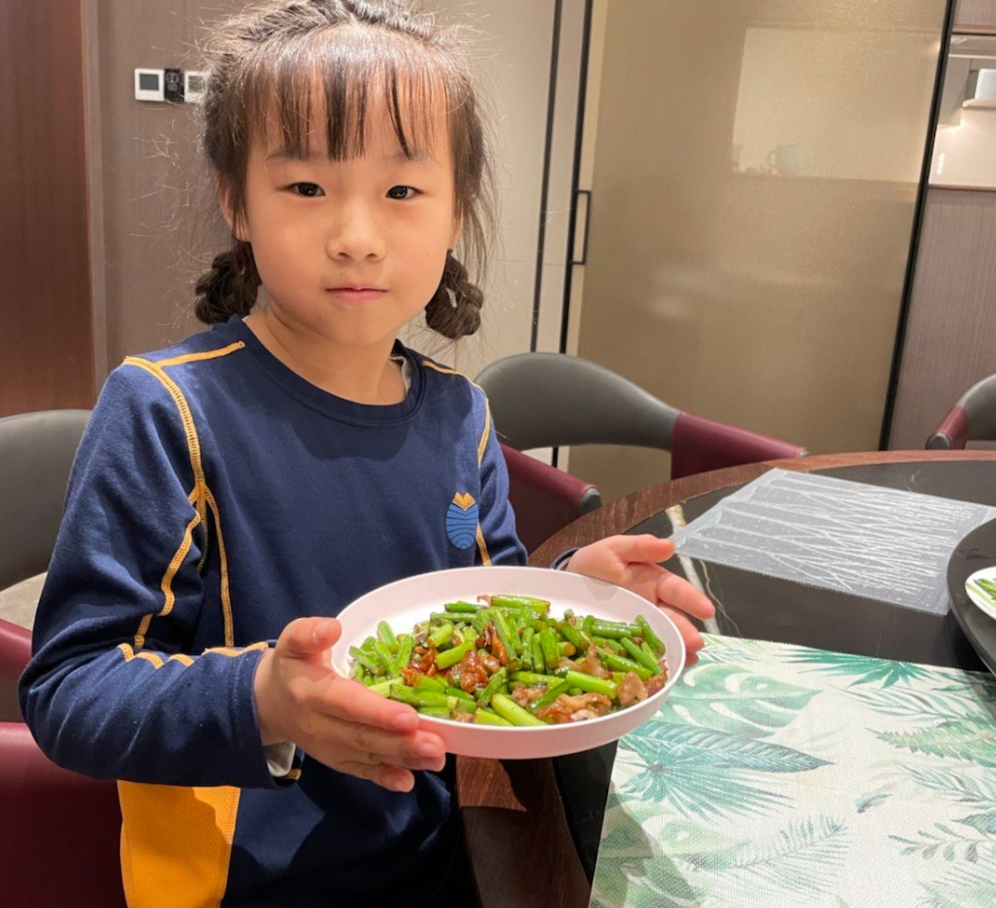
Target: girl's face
{"x": 320, "y": 227}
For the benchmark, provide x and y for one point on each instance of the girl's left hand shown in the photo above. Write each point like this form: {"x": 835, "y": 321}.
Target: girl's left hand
{"x": 631, "y": 561}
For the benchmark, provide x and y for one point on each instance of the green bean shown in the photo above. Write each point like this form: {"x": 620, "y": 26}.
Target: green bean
{"x": 460, "y": 606}
{"x": 533, "y": 678}
{"x": 438, "y": 637}
{"x": 385, "y": 656}
{"x": 486, "y": 717}
{"x": 647, "y": 632}
{"x": 527, "y": 648}
{"x": 529, "y": 602}
{"x": 436, "y": 712}
{"x": 496, "y": 683}
{"x": 469, "y": 703}
{"x": 368, "y": 645}
{"x": 567, "y": 648}
{"x": 405, "y": 649}
{"x": 509, "y": 710}
{"x": 451, "y": 657}
{"x": 421, "y": 697}
{"x": 551, "y": 694}
{"x": 539, "y": 663}
{"x": 371, "y": 665}
{"x": 573, "y": 635}
{"x": 386, "y": 634}
{"x": 615, "y": 630}
{"x": 639, "y": 656}
{"x": 424, "y": 682}
{"x": 619, "y": 664}
{"x": 551, "y": 654}
{"x": 591, "y": 684}
{"x": 504, "y": 632}
{"x": 384, "y": 687}
{"x": 612, "y": 646}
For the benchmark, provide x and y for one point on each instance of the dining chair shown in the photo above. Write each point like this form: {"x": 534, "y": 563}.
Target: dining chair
{"x": 544, "y": 498}
{"x": 972, "y": 418}
{"x": 36, "y": 453}
{"x": 541, "y": 400}
{"x": 61, "y": 831}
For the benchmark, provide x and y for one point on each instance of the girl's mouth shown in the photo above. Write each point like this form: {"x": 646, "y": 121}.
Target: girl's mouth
{"x": 356, "y": 294}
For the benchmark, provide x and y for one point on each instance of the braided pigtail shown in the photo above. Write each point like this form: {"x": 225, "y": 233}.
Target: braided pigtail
{"x": 455, "y": 309}
{"x": 230, "y": 287}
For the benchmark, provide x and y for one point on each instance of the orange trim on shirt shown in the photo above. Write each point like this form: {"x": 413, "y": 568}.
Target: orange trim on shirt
{"x": 176, "y": 844}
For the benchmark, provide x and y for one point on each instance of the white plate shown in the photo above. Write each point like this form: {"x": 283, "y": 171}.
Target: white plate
{"x": 979, "y": 597}
{"x": 407, "y": 602}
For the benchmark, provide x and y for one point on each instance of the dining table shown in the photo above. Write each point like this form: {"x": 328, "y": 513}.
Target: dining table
{"x": 532, "y": 827}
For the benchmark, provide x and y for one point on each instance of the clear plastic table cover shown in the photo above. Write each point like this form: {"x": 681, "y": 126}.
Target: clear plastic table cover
{"x": 865, "y": 540}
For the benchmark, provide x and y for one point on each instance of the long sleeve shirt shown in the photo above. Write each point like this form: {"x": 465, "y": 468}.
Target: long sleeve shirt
{"x": 216, "y": 496}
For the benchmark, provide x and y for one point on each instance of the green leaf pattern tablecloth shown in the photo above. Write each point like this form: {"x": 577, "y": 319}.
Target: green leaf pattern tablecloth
{"x": 784, "y": 776}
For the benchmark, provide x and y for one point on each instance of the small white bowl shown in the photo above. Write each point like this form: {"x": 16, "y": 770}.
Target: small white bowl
{"x": 407, "y": 602}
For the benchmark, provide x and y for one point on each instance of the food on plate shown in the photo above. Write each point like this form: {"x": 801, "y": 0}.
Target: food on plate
{"x": 505, "y": 661}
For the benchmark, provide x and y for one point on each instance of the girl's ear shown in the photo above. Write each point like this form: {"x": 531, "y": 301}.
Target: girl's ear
{"x": 226, "y": 211}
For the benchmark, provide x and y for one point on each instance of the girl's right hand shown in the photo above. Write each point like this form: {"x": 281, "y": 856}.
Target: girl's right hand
{"x": 337, "y": 721}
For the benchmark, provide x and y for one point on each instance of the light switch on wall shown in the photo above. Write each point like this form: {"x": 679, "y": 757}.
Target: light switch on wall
{"x": 150, "y": 85}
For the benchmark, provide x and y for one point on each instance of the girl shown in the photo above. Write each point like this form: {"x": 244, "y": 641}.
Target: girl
{"x": 233, "y": 493}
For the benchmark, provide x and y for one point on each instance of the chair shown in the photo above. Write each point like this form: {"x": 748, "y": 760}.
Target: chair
{"x": 61, "y": 831}
{"x": 544, "y": 498}
{"x": 36, "y": 453}
{"x": 972, "y": 418}
{"x": 541, "y": 400}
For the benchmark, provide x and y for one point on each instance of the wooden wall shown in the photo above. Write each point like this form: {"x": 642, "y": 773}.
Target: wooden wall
{"x": 46, "y": 359}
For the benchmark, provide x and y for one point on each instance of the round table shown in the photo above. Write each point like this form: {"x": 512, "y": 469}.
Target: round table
{"x": 532, "y": 826}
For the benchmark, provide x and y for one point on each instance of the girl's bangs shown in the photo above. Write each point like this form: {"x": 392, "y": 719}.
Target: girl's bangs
{"x": 338, "y": 80}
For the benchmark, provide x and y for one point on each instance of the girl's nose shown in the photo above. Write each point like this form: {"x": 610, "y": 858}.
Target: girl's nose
{"x": 355, "y": 235}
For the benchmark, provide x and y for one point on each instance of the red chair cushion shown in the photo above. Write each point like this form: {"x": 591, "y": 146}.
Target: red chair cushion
{"x": 952, "y": 432}
{"x": 15, "y": 651}
{"x": 544, "y": 498}
{"x": 61, "y": 831}
{"x": 699, "y": 445}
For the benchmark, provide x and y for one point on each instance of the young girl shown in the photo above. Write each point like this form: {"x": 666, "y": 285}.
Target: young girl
{"x": 233, "y": 493}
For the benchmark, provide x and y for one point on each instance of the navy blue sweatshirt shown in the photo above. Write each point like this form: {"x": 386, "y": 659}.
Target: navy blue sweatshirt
{"x": 215, "y": 497}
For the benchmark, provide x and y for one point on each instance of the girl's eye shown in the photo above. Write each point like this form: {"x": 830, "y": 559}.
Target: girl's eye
{"x": 402, "y": 193}
{"x": 307, "y": 190}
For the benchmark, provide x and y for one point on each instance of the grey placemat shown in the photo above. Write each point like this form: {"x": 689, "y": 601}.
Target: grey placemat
{"x": 861, "y": 539}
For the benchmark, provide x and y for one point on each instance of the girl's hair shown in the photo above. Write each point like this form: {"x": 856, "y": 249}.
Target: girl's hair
{"x": 271, "y": 60}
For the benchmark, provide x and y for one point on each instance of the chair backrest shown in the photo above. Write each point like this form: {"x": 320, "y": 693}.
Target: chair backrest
{"x": 541, "y": 400}
{"x": 36, "y": 454}
{"x": 972, "y": 418}
{"x": 61, "y": 831}
{"x": 544, "y": 498}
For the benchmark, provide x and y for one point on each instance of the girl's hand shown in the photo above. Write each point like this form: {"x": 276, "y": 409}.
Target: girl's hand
{"x": 631, "y": 561}
{"x": 335, "y": 720}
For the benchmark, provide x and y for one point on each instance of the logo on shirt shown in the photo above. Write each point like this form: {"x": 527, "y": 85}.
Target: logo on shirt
{"x": 461, "y": 520}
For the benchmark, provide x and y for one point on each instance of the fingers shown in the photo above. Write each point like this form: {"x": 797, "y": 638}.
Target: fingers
{"x": 306, "y": 638}
{"x": 680, "y": 594}
{"x": 643, "y": 548}
{"x": 373, "y": 745}
{"x": 346, "y": 699}
{"x": 389, "y": 777}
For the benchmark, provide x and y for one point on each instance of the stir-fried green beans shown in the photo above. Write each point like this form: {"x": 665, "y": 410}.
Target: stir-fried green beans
{"x": 507, "y": 663}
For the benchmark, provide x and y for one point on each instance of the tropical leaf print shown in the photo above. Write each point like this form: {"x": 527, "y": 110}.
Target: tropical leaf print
{"x": 972, "y": 739}
{"x": 865, "y": 669}
{"x": 804, "y": 856}
{"x": 952, "y": 702}
{"x": 968, "y": 886}
{"x": 957, "y": 785}
{"x": 947, "y": 843}
{"x": 727, "y": 698}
